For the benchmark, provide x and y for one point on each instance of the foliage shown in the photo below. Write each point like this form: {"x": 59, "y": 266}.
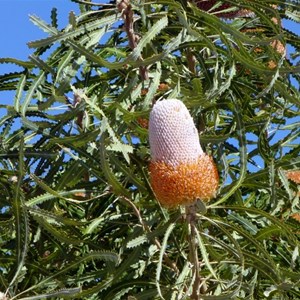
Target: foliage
{"x": 78, "y": 217}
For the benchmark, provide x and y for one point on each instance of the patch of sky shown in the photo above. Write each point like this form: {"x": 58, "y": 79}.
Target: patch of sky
{"x": 233, "y": 144}
{"x": 255, "y": 161}
{"x": 5, "y": 209}
{"x": 133, "y": 140}
{"x": 291, "y": 26}
{"x": 133, "y": 188}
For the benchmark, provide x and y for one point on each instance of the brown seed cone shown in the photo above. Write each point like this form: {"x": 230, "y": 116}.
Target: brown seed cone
{"x": 184, "y": 183}
{"x": 207, "y": 5}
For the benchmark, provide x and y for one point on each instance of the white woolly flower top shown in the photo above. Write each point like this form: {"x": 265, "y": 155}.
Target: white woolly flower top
{"x": 173, "y": 136}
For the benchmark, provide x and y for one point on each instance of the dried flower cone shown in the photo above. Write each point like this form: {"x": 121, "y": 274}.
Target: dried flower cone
{"x": 220, "y": 11}
{"x": 180, "y": 173}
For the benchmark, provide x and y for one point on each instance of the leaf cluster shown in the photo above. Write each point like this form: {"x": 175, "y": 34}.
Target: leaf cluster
{"x": 78, "y": 218}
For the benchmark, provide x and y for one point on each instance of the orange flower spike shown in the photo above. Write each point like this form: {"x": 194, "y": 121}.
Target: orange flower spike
{"x": 293, "y": 175}
{"x": 180, "y": 173}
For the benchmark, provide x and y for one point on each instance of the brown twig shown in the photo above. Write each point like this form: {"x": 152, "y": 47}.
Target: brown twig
{"x": 198, "y": 286}
{"x": 125, "y": 8}
{"x": 80, "y": 115}
{"x": 191, "y": 61}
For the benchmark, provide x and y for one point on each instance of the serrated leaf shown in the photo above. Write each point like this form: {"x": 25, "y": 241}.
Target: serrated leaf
{"x": 129, "y": 173}
{"x": 63, "y": 64}
{"x": 50, "y": 196}
{"x": 18, "y": 62}
{"x": 72, "y": 19}
{"x": 48, "y": 216}
{"x": 147, "y": 37}
{"x": 76, "y": 140}
{"x": 41, "y": 64}
{"x": 248, "y": 225}
{"x": 181, "y": 282}
{"x": 44, "y": 186}
{"x": 100, "y": 255}
{"x": 54, "y": 22}
{"x": 19, "y": 92}
{"x": 109, "y": 175}
{"x": 71, "y": 292}
{"x": 204, "y": 255}
{"x": 137, "y": 241}
{"x": 285, "y": 182}
{"x": 123, "y": 148}
{"x": 30, "y": 94}
{"x": 153, "y": 87}
{"x": 161, "y": 255}
{"x": 29, "y": 124}
{"x": 72, "y": 175}
{"x": 42, "y": 25}
{"x": 116, "y": 145}
{"x": 285, "y": 230}
{"x": 251, "y": 259}
{"x": 21, "y": 220}
{"x": 267, "y": 232}
{"x": 59, "y": 234}
{"x": 57, "y": 36}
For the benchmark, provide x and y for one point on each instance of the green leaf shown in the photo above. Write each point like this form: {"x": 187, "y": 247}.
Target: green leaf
{"x": 43, "y": 25}
{"x": 21, "y": 221}
{"x": 285, "y": 183}
{"x": 104, "y": 255}
{"x": 19, "y": 93}
{"x": 41, "y": 64}
{"x": 153, "y": 87}
{"x": 31, "y": 92}
{"x": 137, "y": 241}
{"x": 248, "y": 225}
{"x": 267, "y": 232}
{"x": 242, "y": 152}
{"x": 71, "y": 292}
{"x": 21, "y": 63}
{"x": 205, "y": 255}
{"x": 57, "y": 36}
{"x": 161, "y": 255}
{"x": 109, "y": 175}
{"x": 76, "y": 140}
{"x": 51, "y": 217}
{"x": 116, "y": 145}
{"x": 54, "y": 21}
{"x": 150, "y": 35}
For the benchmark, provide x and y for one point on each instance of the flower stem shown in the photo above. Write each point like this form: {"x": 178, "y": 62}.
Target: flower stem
{"x": 199, "y": 286}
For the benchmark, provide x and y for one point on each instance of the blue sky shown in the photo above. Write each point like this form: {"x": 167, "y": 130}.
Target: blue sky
{"x": 16, "y": 30}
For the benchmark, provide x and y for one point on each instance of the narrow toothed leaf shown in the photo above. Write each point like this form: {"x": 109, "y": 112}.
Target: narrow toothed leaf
{"x": 153, "y": 31}
{"x": 137, "y": 241}
{"x": 31, "y": 92}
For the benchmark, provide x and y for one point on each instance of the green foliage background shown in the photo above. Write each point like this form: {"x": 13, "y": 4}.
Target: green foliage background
{"x": 78, "y": 217}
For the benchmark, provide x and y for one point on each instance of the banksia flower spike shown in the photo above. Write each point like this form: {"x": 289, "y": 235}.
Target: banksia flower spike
{"x": 293, "y": 175}
{"x": 180, "y": 172}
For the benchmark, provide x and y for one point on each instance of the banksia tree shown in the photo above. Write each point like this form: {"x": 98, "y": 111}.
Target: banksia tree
{"x": 79, "y": 215}
{"x": 180, "y": 172}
